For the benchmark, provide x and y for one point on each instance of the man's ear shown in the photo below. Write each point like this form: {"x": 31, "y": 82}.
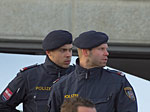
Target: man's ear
{"x": 48, "y": 53}
{"x": 85, "y": 52}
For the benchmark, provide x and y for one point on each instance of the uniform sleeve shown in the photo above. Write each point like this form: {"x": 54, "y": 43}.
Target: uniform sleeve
{"x": 12, "y": 95}
{"x": 55, "y": 100}
{"x": 126, "y": 101}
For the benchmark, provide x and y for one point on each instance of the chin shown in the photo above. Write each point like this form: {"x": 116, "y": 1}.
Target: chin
{"x": 65, "y": 66}
{"x": 103, "y": 65}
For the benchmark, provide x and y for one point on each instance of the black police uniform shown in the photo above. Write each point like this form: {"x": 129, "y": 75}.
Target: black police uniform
{"x": 31, "y": 87}
{"x": 109, "y": 91}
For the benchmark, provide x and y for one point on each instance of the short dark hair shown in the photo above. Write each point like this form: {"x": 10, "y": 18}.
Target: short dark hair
{"x": 72, "y": 104}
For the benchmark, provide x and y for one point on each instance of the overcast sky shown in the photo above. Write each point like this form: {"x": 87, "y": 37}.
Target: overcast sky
{"x": 10, "y": 64}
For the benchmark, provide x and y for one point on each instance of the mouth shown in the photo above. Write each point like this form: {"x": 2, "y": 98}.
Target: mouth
{"x": 67, "y": 62}
{"x": 105, "y": 60}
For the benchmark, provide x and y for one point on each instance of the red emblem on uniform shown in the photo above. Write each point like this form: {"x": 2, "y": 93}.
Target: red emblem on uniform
{"x": 7, "y": 94}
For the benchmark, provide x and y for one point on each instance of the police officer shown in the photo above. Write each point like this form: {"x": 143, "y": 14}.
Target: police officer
{"x": 108, "y": 90}
{"x": 32, "y": 84}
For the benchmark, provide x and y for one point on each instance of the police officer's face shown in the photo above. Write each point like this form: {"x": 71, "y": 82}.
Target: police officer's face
{"x": 61, "y": 56}
{"x": 86, "y": 109}
{"x": 98, "y": 56}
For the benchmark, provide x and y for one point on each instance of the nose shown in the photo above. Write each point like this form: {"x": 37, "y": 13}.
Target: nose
{"x": 106, "y": 53}
{"x": 69, "y": 53}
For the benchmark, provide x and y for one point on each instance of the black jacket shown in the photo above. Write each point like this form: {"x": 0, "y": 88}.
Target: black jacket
{"x": 109, "y": 91}
{"x": 31, "y": 87}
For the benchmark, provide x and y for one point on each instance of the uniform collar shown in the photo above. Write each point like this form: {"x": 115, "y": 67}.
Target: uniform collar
{"x": 51, "y": 67}
{"x": 87, "y": 73}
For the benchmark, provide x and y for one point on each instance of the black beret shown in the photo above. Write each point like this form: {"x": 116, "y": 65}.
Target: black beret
{"x": 90, "y": 39}
{"x": 56, "y": 39}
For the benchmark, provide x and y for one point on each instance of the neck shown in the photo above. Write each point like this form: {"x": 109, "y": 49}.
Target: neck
{"x": 85, "y": 63}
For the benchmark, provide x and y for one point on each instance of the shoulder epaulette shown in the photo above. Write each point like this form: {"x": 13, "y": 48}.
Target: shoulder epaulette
{"x": 116, "y": 72}
{"x": 26, "y": 68}
{"x": 56, "y": 80}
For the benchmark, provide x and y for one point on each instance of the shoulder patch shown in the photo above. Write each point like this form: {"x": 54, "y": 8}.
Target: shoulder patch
{"x": 129, "y": 93}
{"x": 7, "y": 94}
{"x": 116, "y": 72}
{"x": 26, "y": 68}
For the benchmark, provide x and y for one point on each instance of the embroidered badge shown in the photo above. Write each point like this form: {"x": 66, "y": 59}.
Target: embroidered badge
{"x": 129, "y": 93}
{"x": 7, "y": 94}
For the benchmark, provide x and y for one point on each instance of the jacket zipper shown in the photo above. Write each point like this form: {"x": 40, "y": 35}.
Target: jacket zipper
{"x": 86, "y": 79}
